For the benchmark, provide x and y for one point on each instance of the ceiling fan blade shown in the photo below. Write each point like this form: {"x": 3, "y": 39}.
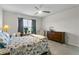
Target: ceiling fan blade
{"x": 36, "y": 13}
{"x": 46, "y": 11}
{"x": 36, "y": 8}
{"x": 40, "y": 6}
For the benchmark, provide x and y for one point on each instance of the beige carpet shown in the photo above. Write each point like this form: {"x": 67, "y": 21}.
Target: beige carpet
{"x": 62, "y": 49}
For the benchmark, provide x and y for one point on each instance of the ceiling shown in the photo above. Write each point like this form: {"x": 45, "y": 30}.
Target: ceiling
{"x": 29, "y": 9}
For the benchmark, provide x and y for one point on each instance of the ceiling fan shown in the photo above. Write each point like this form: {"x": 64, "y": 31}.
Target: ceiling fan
{"x": 39, "y": 11}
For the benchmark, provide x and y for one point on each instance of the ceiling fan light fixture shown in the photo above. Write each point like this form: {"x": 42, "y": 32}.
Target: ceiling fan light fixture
{"x": 40, "y": 12}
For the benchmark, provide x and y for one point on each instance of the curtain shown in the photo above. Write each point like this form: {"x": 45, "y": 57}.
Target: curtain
{"x": 34, "y": 26}
{"x": 20, "y": 25}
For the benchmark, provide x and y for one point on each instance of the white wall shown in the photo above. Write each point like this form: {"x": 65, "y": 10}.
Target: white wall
{"x": 1, "y": 18}
{"x": 11, "y": 19}
{"x": 65, "y": 21}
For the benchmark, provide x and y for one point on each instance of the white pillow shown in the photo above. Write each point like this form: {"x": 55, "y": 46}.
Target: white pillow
{"x": 1, "y": 40}
{"x": 5, "y": 36}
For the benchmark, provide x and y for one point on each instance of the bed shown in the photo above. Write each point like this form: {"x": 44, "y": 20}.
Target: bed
{"x": 28, "y": 45}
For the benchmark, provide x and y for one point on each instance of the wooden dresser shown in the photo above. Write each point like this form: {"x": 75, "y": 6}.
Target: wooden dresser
{"x": 56, "y": 36}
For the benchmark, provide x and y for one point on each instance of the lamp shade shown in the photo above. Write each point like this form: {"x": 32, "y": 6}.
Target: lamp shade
{"x": 5, "y": 28}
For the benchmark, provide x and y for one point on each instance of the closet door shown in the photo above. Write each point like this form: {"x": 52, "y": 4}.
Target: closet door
{"x": 1, "y": 18}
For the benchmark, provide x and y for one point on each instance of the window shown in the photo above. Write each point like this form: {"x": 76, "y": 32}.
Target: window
{"x": 27, "y": 25}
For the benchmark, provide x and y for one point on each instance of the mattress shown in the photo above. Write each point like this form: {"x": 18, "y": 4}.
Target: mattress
{"x": 28, "y": 45}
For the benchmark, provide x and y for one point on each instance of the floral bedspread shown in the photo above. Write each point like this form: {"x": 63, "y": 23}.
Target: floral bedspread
{"x": 28, "y": 45}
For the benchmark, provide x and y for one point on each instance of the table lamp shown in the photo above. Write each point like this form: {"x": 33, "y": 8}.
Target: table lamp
{"x": 5, "y": 28}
